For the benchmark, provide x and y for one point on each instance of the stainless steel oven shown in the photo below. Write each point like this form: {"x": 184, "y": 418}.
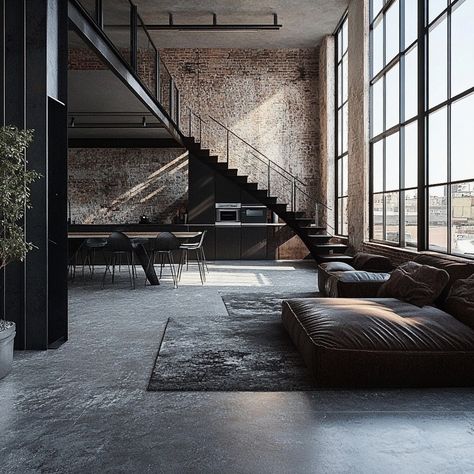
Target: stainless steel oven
{"x": 228, "y": 213}
{"x": 253, "y": 214}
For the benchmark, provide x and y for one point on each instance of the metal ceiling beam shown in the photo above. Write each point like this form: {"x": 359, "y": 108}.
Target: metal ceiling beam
{"x": 171, "y": 26}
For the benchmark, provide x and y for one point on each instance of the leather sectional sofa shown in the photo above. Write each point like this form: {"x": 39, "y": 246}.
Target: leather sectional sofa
{"x": 385, "y": 342}
{"x": 363, "y": 277}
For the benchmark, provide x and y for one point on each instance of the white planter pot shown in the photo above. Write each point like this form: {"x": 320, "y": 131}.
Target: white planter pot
{"x": 7, "y": 336}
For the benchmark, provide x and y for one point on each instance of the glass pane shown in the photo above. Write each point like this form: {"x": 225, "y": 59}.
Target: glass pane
{"x": 377, "y": 216}
{"x": 345, "y": 176}
{"x": 462, "y": 47}
{"x": 344, "y": 79}
{"x": 116, "y": 15}
{"x": 392, "y": 110}
{"x": 339, "y": 177}
{"x": 411, "y": 155}
{"x": 438, "y": 218}
{"x": 344, "y": 36}
{"x": 377, "y": 167}
{"x": 339, "y": 85}
{"x": 392, "y": 162}
{"x": 462, "y": 129}
{"x": 392, "y": 216}
{"x": 437, "y": 146}
{"x": 339, "y": 45}
{"x": 343, "y": 206}
{"x": 377, "y": 107}
{"x": 411, "y": 22}
{"x": 411, "y": 218}
{"x": 438, "y": 64}
{"x": 146, "y": 58}
{"x": 392, "y": 31}
{"x": 376, "y": 7}
{"x": 462, "y": 219}
{"x": 345, "y": 123}
{"x": 339, "y": 132}
{"x": 411, "y": 83}
{"x": 339, "y": 217}
{"x": 435, "y": 8}
{"x": 377, "y": 48}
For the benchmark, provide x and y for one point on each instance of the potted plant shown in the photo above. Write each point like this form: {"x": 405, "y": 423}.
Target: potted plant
{"x": 15, "y": 180}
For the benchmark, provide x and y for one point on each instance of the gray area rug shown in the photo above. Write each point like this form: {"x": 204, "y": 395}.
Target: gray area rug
{"x": 245, "y": 350}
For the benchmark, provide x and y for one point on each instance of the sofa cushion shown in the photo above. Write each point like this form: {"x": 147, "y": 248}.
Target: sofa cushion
{"x": 336, "y": 267}
{"x": 456, "y": 267}
{"x": 355, "y": 284}
{"x": 460, "y": 301}
{"x": 325, "y": 270}
{"x": 371, "y": 263}
{"x": 380, "y": 342}
{"x": 417, "y": 284}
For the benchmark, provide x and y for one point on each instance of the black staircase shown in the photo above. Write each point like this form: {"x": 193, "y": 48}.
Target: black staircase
{"x": 232, "y": 156}
{"x": 299, "y": 210}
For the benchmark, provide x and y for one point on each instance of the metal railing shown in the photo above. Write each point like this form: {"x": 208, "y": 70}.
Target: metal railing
{"x": 123, "y": 26}
{"x": 238, "y": 153}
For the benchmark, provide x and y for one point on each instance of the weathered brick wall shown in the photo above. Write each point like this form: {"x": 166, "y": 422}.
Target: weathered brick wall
{"x": 268, "y": 97}
{"x": 118, "y": 185}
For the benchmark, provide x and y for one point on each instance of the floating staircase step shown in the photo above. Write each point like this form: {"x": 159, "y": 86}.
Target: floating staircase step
{"x": 330, "y": 248}
{"x": 318, "y": 239}
{"x": 211, "y": 159}
{"x": 303, "y": 221}
{"x": 334, "y": 258}
{"x": 294, "y": 215}
{"x": 313, "y": 229}
{"x": 252, "y": 186}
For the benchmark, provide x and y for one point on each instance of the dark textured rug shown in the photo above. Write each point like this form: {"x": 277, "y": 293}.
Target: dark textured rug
{"x": 245, "y": 350}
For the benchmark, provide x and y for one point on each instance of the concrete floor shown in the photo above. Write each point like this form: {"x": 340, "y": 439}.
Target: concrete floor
{"x": 83, "y": 408}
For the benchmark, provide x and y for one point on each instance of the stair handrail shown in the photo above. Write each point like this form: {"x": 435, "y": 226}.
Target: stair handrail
{"x": 228, "y": 130}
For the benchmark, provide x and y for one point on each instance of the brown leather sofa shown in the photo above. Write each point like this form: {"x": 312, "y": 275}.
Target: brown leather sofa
{"x": 384, "y": 342}
{"x": 366, "y": 273}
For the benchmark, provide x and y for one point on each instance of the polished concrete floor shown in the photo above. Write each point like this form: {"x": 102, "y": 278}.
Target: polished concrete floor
{"x": 83, "y": 408}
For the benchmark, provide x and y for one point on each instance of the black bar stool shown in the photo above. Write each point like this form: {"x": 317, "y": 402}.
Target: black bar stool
{"x": 164, "y": 245}
{"x": 198, "y": 248}
{"x": 118, "y": 245}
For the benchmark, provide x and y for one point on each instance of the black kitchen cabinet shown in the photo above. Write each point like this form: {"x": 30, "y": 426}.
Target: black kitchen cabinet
{"x": 228, "y": 243}
{"x": 201, "y": 193}
{"x": 254, "y": 243}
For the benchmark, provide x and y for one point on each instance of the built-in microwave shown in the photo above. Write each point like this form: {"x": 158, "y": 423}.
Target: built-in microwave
{"x": 228, "y": 213}
{"x": 253, "y": 214}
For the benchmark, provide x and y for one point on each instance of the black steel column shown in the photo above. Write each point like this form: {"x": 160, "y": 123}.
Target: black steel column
{"x": 35, "y": 71}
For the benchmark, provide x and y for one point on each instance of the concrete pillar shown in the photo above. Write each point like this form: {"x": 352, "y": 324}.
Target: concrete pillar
{"x": 327, "y": 129}
{"x": 358, "y": 74}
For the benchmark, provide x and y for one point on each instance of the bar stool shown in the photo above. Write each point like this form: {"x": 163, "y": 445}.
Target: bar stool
{"x": 164, "y": 245}
{"x": 118, "y": 244}
{"x": 198, "y": 248}
{"x": 91, "y": 246}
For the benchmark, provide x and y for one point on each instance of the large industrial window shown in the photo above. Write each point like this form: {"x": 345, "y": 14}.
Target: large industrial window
{"x": 444, "y": 218}
{"x": 341, "y": 127}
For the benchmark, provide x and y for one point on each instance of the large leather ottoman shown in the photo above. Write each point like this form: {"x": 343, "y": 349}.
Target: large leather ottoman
{"x": 380, "y": 343}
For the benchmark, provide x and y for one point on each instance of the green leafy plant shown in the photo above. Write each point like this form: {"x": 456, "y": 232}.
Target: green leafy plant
{"x": 15, "y": 180}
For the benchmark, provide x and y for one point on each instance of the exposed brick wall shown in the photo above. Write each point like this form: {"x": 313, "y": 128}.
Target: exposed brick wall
{"x": 268, "y": 97}
{"x": 118, "y": 185}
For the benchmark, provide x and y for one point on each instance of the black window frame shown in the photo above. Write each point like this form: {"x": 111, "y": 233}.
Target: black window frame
{"x": 422, "y": 117}
{"x": 340, "y": 153}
